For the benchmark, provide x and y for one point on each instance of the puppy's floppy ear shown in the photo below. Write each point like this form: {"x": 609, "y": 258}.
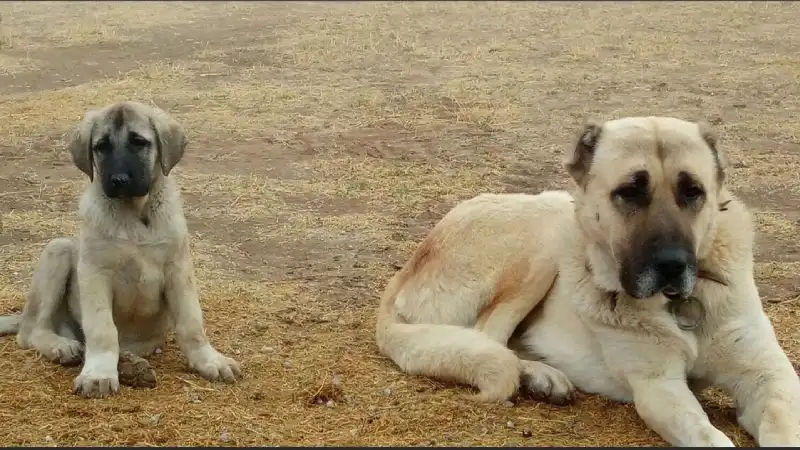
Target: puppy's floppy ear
{"x": 80, "y": 143}
{"x": 710, "y": 137}
{"x": 171, "y": 139}
{"x": 579, "y": 162}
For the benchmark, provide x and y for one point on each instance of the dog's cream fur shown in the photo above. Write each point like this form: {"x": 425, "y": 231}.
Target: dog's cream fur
{"x": 128, "y": 277}
{"x": 538, "y": 273}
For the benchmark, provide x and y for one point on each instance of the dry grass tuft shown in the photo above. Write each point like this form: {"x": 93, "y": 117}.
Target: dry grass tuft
{"x": 326, "y": 139}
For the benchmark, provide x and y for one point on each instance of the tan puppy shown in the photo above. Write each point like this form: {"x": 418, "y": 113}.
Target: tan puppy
{"x": 639, "y": 281}
{"x": 128, "y": 278}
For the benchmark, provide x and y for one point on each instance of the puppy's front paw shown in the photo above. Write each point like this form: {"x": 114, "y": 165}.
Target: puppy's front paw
{"x": 215, "y": 366}
{"x": 93, "y": 383}
{"x": 67, "y": 352}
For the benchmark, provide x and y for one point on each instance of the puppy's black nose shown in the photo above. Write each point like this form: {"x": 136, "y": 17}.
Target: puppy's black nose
{"x": 120, "y": 179}
{"x": 671, "y": 262}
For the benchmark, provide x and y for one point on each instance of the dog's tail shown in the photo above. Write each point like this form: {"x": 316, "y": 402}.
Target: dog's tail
{"x": 448, "y": 352}
{"x": 10, "y": 324}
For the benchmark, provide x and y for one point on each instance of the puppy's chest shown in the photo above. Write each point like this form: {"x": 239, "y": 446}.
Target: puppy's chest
{"x": 138, "y": 283}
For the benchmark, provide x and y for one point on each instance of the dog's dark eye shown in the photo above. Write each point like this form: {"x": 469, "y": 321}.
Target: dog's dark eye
{"x": 691, "y": 195}
{"x": 636, "y": 192}
{"x": 630, "y": 194}
{"x": 689, "y": 192}
{"x": 103, "y": 146}
{"x": 138, "y": 141}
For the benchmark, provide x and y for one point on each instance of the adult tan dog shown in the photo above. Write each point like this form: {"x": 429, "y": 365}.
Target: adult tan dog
{"x": 128, "y": 278}
{"x": 639, "y": 281}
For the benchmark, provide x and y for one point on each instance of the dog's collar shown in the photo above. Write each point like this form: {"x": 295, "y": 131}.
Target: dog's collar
{"x": 688, "y": 312}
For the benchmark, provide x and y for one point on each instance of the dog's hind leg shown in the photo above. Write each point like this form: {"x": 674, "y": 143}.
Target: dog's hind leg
{"x": 45, "y": 323}
{"x": 514, "y": 299}
{"x": 516, "y": 294}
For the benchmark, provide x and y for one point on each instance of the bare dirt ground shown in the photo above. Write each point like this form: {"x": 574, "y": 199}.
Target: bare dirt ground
{"x": 326, "y": 139}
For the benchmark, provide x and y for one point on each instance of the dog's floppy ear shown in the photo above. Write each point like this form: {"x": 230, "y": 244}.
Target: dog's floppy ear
{"x": 580, "y": 160}
{"x": 80, "y": 143}
{"x": 171, "y": 139}
{"x": 710, "y": 137}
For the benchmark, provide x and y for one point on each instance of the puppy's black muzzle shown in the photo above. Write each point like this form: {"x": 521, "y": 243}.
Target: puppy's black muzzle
{"x": 125, "y": 177}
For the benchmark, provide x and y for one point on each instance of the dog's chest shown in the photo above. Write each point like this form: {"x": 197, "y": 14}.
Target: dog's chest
{"x": 138, "y": 284}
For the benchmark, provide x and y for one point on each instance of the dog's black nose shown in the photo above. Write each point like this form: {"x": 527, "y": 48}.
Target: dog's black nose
{"x": 672, "y": 262}
{"x": 120, "y": 179}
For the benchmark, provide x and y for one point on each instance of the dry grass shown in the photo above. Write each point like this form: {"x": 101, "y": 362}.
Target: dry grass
{"x": 326, "y": 139}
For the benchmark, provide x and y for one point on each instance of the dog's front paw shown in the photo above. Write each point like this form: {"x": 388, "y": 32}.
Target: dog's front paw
{"x": 93, "y": 383}
{"x": 214, "y": 366}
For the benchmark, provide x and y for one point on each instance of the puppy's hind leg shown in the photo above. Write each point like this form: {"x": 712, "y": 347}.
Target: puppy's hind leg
{"x": 46, "y": 311}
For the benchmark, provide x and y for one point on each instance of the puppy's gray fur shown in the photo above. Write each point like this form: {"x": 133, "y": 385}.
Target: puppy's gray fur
{"x": 128, "y": 278}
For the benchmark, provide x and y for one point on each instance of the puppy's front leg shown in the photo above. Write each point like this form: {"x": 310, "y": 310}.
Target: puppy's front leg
{"x": 98, "y": 377}
{"x": 755, "y": 371}
{"x": 184, "y": 305}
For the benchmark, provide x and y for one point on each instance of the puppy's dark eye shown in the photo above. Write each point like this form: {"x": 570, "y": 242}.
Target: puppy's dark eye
{"x": 103, "y": 146}
{"x": 138, "y": 141}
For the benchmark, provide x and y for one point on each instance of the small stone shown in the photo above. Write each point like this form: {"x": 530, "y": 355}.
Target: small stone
{"x": 225, "y": 437}
{"x": 287, "y": 364}
{"x": 330, "y": 404}
{"x": 508, "y": 404}
{"x": 158, "y": 351}
{"x": 387, "y": 392}
{"x": 527, "y": 434}
{"x": 197, "y": 400}
{"x": 510, "y": 424}
{"x": 260, "y": 325}
{"x": 48, "y": 438}
{"x": 336, "y": 382}
{"x": 267, "y": 349}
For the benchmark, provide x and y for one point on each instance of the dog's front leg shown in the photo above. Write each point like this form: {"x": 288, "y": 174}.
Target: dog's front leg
{"x": 751, "y": 366}
{"x": 98, "y": 377}
{"x": 668, "y": 407}
{"x": 184, "y": 305}
{"x": 656, "y": 375}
